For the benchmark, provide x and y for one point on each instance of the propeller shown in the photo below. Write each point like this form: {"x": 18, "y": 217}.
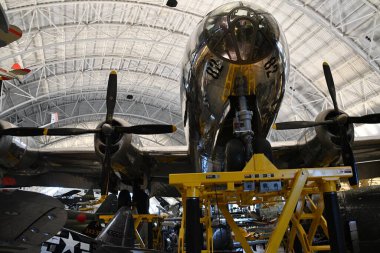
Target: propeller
{"x": 111, "y": 96}
{"x": 347, "y": 154}
{"x": 107, "y": 129}
{"x": 299, "y": 124}
{"x": 139, "y": 129}
{"x": 341, "y": 121}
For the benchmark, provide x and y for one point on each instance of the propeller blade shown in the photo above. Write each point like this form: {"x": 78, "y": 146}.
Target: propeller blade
{"x": 299, "y": 124}
{"x": 367, "y": 119}
{"x": 34, "y": 131}
{"x": 146, "y": 129}
{"x": 111, "y": 96}
{"x": 330, "y": 85}
{"x": 106, "y": 167}
{"x": 348, "y": 156}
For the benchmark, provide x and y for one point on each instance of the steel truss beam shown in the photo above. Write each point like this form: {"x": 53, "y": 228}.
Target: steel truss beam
{"x": 84, "y": 58}
{"x": 99, "y": 85}
{"x": 32, "y": 105}
{"x": 134, "y": 3}
{"x": 338, "y": 30}
{"x": 44, "y": 47}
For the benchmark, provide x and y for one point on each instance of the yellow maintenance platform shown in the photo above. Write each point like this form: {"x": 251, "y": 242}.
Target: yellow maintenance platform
{"x": 259, "y": 183}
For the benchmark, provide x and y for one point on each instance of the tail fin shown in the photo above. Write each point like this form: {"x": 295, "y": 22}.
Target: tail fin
{"x": 109, "y": 205}
{"x": 120, "y": 231}
{"x": 89, "y": 195}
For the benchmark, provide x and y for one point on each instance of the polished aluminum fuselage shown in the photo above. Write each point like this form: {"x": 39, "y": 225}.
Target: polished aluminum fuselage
{"x": 214, "y": 60}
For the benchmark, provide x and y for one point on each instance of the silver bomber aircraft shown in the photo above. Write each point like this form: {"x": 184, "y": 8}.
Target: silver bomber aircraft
{"x": 234, "y": 76}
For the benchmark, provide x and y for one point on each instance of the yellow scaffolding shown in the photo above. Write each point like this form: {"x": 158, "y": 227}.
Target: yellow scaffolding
{"x": 138, "y": 219}
{"x": 241, "y": 188}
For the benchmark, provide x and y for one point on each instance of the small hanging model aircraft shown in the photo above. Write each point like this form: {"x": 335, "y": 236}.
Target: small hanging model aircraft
{"x": 14, "y": 73}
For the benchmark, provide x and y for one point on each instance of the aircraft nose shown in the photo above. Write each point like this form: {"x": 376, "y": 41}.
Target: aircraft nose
{"x": 243, "y": 31}
{"x": 242, "y": 35}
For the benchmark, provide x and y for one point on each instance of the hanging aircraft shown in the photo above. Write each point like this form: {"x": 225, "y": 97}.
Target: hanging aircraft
{"x": 234, "y": 76}
{"x": 8, "y": 33}
{"x": 14, "y": 73}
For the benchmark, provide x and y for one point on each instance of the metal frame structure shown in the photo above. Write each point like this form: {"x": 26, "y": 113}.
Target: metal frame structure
{"x": 70, "y": 45}
{"x": 242, "y": 188}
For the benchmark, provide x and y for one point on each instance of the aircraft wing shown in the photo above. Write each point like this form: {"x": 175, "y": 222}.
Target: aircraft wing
{"x": 82, "y": 168}
{"x": 3, "y": 73}
{"x": 63, "y": 168}
{"x": 166, "y": 160}
{"x": 19, "y": 72}
{"x": 26, "y": 220}
{"x": 366, "y": 153}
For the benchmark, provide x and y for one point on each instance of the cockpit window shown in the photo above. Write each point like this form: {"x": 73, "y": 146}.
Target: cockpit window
{"x": 241, "y": 34}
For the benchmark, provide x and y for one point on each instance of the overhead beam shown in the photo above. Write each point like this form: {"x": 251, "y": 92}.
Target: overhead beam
{"x": 80, "y": 26}
{"x": 35, "y": 49}
{"x": 63, "y": 94}
{"x": 98, "y": 57}
{"x": 83, "y": 118}
{"x": 50, "y": 77}
{"x": 146, "y": 5}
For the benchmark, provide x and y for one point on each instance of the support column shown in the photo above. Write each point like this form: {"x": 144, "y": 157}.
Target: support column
{"x": 150, "y": 235}
{"x": 334, "y": 222}
{"x": 194, "y": 234}
{"x": 287, "y": 212}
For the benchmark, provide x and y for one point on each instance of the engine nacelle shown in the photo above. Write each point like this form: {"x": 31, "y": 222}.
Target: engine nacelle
{"x": 118, "y": 141}
{"x": 323, "y": 147}
{"x": 14, "y": 150}
{"x": 125, "y": 157}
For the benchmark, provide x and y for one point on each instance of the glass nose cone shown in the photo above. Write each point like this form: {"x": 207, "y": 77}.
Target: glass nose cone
{"x": 242, "y": 35}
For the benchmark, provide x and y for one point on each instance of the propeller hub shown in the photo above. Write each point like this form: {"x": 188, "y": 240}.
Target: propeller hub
{"x": 107, "y": 129}
{"x": 342, "y": 119}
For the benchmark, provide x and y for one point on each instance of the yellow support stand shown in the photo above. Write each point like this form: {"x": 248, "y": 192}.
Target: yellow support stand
{"x": 242, "y": 188}
{"x": 138, "y": 219}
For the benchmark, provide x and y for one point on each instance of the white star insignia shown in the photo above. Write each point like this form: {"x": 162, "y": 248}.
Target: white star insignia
{"x": 69, "y": 244}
